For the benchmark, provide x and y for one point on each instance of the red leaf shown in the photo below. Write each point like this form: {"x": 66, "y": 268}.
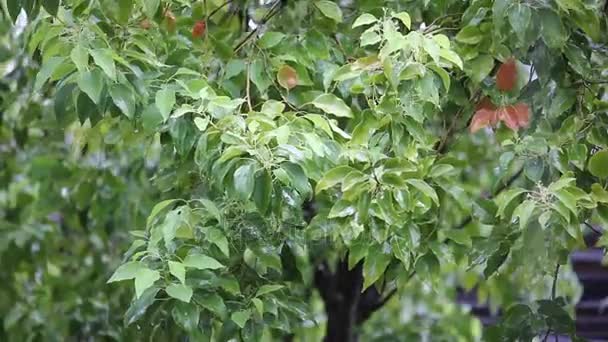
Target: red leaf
{"x": 516, "y": 116}
{"x": 198, "y": 29}
{"x": 483, "y": 118}
{"x": 508, "y": 116}
{"x": 506, "y": 77}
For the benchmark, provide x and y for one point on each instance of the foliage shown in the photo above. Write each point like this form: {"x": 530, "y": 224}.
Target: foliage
{"x": 432, "y": 145}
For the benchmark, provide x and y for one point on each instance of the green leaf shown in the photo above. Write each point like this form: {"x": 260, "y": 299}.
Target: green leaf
{"x": 588, "y": 20}
{"x": 331, "y": 104}
{"x": 144, "y": 278}
{"x": 186, "y": 316}
{"x": 404, "y": 17}
{"x": 505, "y": 198}
{"x": 364, "y": 19}
{"x": 103, "y": 59}
{"x": 496, "y": 260}
{"x": 244, "y": 180}
{"x": 423, "y": 187}
{"x": 376, "y": 262}
{"x": 598, "y": 164}
{"x": 332, "y": 177}
{"x": 264, "y": 289}
{"x": 445, "y": 77}
{"x": 562, "y": 183}
{"x": 157, "y": 209}
{"x": 297, "y": 178}
{"x": 342, "y": 208}
{"x": 519, "y": 18}
{"x": 14, "y": 8}
{"x": 139, "y": 306}
{"x": 178, "y": 270}
{"x": 320, "y": 123}
{"x": 80, "y": 57}
{"x": 91, "y": 83}
{"x": 259, "y": 305}
{"x": 202, "y": 262}
{"x": 217, "y": 237}
{"x": 124, "y": 99}
{"x": 180, "y": 291}
{"x": 598, "y": 193}
{"x": 552, "y": 31}
{"x": 63, "y": 105}
{"x": 370, "y": 37}
{"x": 524, "y": 212}
{"x": 330, "y": 9}
{"x": 165, "y": 100}
{"x": 240, "y": 317}
{"x": 150, "y": 7}
{"x": 451, "y": 57}
{"x": 259, "y": 76}
{"x": 262, "y": 191}
{"x": 356, "y": 252}
{"x": 214, "y": 303}
{"x": 270, "y": 39}
{"x": 47, "y": 69}
{"x": 51, "y": 6}
{"x": 567, "y": 200}
{"x": 469, "y": 35}
{"x": 87, "y": 109}
{"x": 480, "y": 67}
{"x": 125, "y": 271}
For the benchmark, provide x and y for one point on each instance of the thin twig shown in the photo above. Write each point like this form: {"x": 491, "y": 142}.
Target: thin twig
{"x": 248, "y": 86}
{"x": 218, "y": 9}
{"x": 592, "y": 228}
{"x": 553, "y": 295}
{"x": 554, "y": 285}
{"x": 500, "y": 189}
{"x": 271, "y": 13}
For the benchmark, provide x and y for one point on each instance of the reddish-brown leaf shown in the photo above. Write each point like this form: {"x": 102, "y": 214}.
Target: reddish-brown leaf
{"x": 516, "y": 116}
{"x": 198, "y": 29}
{"x": 482, "y": 118}
{"x": 287, "y": 77}
{"x": 506, "y": 77}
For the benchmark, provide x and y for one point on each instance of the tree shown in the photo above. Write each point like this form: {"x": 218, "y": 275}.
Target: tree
{"x": 299, "y": 169}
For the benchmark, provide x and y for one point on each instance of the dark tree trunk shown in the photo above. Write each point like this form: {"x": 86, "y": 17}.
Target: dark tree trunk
{"x": 341, "y": 292}
{"x": 346, "y": 306}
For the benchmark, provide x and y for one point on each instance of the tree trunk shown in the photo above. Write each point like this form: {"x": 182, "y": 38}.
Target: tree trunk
{"x": 341, "y": 292}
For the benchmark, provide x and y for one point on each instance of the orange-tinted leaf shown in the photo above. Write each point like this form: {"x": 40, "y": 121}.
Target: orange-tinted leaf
{"x": 506, "y": 77}
{"x": 515, "y": 116}
{"x": 145, "y": 24}
{"x": 508, "y": 117}
{"x": 198, "y": 29}
{"x": 483, "y": 118}
{"x": 287, "y": 77}
{"x": 170, "y": 21}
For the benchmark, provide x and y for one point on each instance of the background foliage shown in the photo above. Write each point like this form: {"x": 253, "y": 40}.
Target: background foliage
{"x": 232, "y": 177}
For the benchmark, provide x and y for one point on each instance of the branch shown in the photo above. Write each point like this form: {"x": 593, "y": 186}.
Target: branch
{"x": 500, "y": 189}
{"x": 592, "y": 228}
{"x": 218, "y": 9}
{"x": 553, "y": 292}
{"x": 273, "y": 11}
{"x": 366, "y": 312}
{"x": 442, "y": 146}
